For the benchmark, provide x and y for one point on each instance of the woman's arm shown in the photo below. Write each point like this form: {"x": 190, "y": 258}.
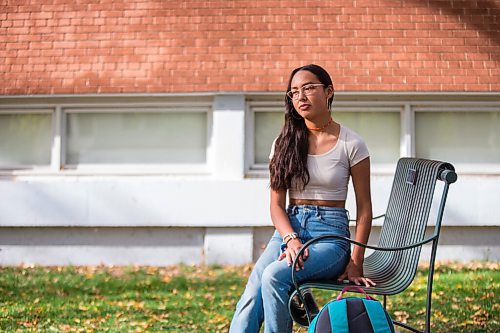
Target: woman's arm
{"x": 361, "y": 182}
{"x": 282, "y": 224}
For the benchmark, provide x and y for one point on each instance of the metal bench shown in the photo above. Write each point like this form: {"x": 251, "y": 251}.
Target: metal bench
{"x": 393, "y": 264}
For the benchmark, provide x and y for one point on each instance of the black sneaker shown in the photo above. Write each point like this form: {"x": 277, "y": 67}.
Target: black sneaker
{"x": 298, "y": 311}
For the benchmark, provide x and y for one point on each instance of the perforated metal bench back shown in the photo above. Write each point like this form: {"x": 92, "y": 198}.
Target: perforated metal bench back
{"x": 405, "y": 222}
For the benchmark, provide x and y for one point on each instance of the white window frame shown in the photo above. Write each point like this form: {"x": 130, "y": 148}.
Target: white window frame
{"x": 253, "y": 106}
{"x": 59, "y": 110}
{"x": 261, "y": 169}
{"x": 464, "y": 168}
{"x": 408, "y": 104}
{"x": 12, "y": 110}
{"x": 189, "y": 168}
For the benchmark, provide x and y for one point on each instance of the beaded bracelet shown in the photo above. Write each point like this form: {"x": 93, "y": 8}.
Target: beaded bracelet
{"x": 291, "y": 236}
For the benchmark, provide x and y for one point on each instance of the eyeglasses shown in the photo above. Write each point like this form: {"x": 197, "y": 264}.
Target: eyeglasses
{"x": 307, "y": 89}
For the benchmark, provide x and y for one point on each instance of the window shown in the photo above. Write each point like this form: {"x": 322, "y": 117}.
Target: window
{"x": 468, "y": 137}
{"x": 133, "y": 136}
{"x": 267, "y": 127}
{"x": 106, "y": 135}
{"x": 25, "y": 138}
{"x": 379, "y": 127}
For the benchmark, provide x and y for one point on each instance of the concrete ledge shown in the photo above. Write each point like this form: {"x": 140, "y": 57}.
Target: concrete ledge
{"x": 96, "y": 246}
{"x": 167, "y": 246}
{"x": 232, "y": 246}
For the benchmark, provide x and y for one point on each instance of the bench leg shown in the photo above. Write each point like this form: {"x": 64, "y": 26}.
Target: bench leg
{"x": 430, "y": 280}
{"x": 408, "y": 327}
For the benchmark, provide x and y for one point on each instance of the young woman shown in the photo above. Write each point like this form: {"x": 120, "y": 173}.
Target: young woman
{"x": 311, "y": 160}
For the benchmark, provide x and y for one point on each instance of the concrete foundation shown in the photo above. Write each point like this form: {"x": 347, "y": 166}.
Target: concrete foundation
{"x": 167, "y": 246}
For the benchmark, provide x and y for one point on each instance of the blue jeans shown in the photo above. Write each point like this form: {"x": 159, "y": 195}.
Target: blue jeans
{"x": 266, "y": 294}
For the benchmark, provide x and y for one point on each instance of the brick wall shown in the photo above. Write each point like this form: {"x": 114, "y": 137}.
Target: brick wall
{"x": 106, "y": 46}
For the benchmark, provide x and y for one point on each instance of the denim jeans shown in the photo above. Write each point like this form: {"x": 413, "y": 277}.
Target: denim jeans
{"x": 266, "y": 294}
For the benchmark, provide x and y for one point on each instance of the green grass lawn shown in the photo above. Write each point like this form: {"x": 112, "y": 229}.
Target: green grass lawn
{"x": 202, "y": 299}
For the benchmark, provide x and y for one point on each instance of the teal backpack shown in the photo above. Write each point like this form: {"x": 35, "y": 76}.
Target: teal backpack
{"x": 352, "y": 315}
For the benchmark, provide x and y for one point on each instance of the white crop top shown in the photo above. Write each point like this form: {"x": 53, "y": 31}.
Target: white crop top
{"x": 329, "y": 172}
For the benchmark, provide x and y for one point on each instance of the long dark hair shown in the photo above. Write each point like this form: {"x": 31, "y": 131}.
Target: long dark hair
{"x": 289, "y": 162}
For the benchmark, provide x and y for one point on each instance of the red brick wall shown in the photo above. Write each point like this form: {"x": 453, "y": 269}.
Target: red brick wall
{"x": 134, "y": 46}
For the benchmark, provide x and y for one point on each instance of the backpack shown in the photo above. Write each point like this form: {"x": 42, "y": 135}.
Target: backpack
{"x": 352, "y": 315}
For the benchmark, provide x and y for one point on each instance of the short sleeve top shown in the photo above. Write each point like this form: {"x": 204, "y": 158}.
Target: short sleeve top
{"x": 329, "y": 172}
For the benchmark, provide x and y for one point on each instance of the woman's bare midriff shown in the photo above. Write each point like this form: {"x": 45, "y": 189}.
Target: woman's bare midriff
{"x": 328, "y": 203}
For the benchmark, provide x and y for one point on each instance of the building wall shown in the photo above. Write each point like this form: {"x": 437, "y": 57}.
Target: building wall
{"x": 215, "y": 212}
{"x": 413, "y": 63}
{"x": 69, "y": 47}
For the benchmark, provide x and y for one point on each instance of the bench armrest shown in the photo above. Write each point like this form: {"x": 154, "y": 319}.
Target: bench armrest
{"x": 373, "y": 247}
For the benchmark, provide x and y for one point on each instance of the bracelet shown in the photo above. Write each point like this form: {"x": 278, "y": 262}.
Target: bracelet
{"x": 291, "y": 236}
{"x": 284, "y": 246}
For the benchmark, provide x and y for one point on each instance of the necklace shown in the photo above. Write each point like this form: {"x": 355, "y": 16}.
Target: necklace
{"x": 319, "y": 129}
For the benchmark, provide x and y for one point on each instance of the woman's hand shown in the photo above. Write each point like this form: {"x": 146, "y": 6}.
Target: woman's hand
{"x": 354, "y": 273}
{"x": 293, "y": 247}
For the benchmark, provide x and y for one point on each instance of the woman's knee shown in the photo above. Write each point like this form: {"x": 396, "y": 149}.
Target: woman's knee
{"x": 277, "y": 274}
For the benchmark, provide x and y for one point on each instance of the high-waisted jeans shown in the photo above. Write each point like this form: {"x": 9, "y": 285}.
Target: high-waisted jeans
{"x": 266, "y": 294}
